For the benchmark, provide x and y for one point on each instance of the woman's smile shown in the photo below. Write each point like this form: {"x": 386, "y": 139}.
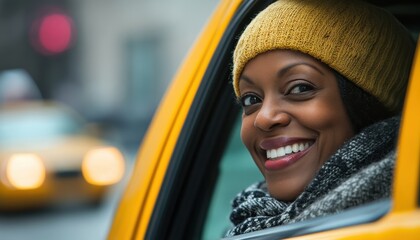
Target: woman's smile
{"x": 282, "y": 152}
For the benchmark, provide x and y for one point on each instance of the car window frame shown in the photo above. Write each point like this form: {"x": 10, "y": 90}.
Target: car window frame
{"x": 406, "y": 185}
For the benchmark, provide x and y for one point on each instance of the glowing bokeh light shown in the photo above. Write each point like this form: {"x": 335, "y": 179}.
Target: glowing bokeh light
{"x": 103, "y": 166}
{"x": 55, "y": 33}
{"x": 25, "y": 171}
{"x": 52, "y": 32}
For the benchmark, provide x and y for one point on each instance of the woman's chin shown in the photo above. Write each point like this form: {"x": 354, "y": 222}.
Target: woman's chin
{"x": 283, "y": 192}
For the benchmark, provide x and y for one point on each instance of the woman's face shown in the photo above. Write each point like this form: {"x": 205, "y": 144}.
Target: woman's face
{"x": 293, "y": 118}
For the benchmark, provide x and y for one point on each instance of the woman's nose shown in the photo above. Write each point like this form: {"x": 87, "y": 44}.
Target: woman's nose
{"x": 271, "y": 115}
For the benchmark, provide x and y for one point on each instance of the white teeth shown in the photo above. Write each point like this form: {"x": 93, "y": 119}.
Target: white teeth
{"x": 288, "y": 149}
{"x": 301, "y": 147}
{"x": 273, "y": 153}
{"x": 295, "y": 147}
{"x": 268, "y": 154}
{"x": 282, "y": 151}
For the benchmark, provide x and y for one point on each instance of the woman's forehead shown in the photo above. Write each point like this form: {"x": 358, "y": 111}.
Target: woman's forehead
{"x": 283, "y": 60}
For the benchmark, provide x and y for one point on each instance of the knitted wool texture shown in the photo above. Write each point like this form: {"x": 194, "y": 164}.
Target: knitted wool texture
{"x": 358, "y": 173}
{"x": 364, "y": 43}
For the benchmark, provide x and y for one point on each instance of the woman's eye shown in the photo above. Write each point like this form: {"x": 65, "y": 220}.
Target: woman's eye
{"x": 301, "y": 88}
{"x": 249, "y": 100}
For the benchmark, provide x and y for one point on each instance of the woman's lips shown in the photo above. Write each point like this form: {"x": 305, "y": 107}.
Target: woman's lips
{"x": 285, "y": 161}
{"x": 282, "y": 152}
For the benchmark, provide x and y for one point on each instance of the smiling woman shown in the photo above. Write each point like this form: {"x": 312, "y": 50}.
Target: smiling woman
{"x": 297, "y": 121}
{"x": 321, "y": 84}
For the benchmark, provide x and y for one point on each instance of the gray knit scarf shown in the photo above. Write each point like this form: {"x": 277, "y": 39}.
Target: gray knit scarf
{"x": 358, "y": 173}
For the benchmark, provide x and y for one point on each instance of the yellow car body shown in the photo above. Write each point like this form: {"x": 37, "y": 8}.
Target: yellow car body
{"x": 44, "y": 148}
{"x": 154, "y": 207}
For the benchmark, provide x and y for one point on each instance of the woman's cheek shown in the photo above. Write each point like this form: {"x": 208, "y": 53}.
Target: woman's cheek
{"x": 248, "y": 135}
{"x": 321, "y": 116}
{"x": 246, "y": 128}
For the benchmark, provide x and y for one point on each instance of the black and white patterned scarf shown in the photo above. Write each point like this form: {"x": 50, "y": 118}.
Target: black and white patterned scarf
{"x": 358, "y": 173}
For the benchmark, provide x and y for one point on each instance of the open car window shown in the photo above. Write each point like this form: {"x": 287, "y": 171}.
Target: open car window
{"x": 209, "y": 165}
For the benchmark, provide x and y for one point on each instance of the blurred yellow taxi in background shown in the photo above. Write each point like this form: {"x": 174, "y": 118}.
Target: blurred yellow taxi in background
{"x": 50, "y": 156}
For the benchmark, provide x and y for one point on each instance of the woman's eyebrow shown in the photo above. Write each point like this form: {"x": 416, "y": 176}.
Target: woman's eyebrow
{"x": 246, "y": 79}
{"x": 284, "y": 70}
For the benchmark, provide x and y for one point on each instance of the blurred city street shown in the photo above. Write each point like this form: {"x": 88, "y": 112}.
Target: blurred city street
{"x": 75, "y": 84}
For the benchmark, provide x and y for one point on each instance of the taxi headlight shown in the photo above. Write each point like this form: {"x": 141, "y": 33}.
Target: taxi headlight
{"x": 25, "y": 171}
{"x": 103, "y": 166}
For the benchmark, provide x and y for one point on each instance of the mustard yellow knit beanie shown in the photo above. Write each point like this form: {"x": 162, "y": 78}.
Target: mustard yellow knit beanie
{"x": 364, "y": 43}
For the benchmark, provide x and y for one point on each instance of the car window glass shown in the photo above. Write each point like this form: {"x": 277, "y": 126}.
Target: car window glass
{"x": 236, "y": 171}
{"x": 49, "y": 123}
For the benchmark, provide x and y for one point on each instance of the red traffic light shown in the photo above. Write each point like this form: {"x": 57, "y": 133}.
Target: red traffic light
{"x": 52, "y": 33}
